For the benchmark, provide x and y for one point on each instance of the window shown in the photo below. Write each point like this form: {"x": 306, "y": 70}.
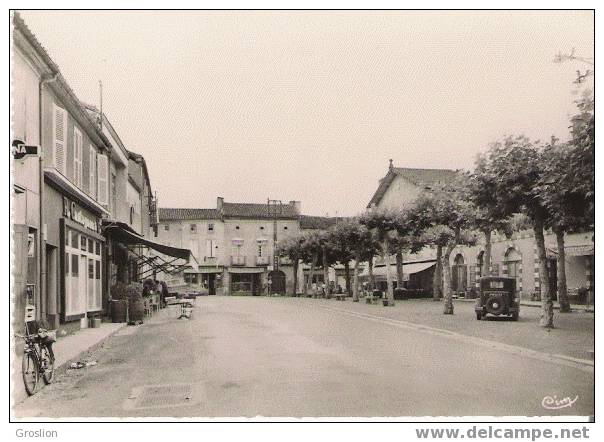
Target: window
{"x": 98, "y": 248}
{"x": 131, "y": 214}
{"x": 113, "y": 192}
{"x": 75, "y": 262}
{"x": 83, "y": 242}
{"x": 284, "y": 227}
{"x": 74, "y": 239}
{"x": 67, "y": 236}
{"x": 210, "y": 247}
{"x": 261, "y": 227}
{"x": 77, "y": 157}
{"x": 167, "y": 227}
{"x": 193, "y": 228}
{"x": 103, "y": 185}
{"x": 59, "y": 135}
{"x": 260, "y": 249}
{"x": 210, "y": 227}
{"x": 236, "y": 227}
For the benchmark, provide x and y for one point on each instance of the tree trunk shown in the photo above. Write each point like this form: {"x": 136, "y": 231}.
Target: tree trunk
{"x": 325, "y": 272}
{"x": 295, "y": 277}
{"x": 347, "y": 275}
{"x": 561, "y": 268}
{"x": 399, "y": 270}
{"x": 437, "y": 281}
{"x": 313, "y": 264}
{"x": 547, "y": 306}
{"x": 371, "y": 277}
{"x": 355, "y": 281}
{"x": 486, "y": 258}
{"x": 390, "y": 294}
{"x": 447, "y": 292}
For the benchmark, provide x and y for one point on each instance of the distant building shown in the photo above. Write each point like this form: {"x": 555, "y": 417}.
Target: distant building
{"x": 233, "y": 244}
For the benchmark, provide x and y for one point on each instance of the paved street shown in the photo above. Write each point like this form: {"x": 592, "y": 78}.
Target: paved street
{"x": 249, "y": 356}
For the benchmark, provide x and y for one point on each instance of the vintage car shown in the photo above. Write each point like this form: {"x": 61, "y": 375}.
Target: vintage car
{"x": 497, "y": 297}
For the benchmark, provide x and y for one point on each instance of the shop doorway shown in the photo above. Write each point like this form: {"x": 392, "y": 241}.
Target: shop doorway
{"x": 212, "y": 284}
{"x": 277, "y": 278}
{"x": 459, "y": 275}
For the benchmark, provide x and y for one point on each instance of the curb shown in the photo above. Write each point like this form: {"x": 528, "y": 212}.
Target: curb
{"x": 60, "y": 369}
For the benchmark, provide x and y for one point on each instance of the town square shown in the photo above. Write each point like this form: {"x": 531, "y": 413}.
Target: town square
{"x": 303, "y": 214}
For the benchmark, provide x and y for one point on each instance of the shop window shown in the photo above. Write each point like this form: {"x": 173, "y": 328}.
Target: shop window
{"x": 75, "y": 262}
{"x": 74, "y": 239}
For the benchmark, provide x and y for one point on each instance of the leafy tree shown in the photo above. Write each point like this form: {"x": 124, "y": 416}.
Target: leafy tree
{"x": 452, "y": 219}
{"x": 565, "y": 194}
{"x": 384, "y": 225}
{"x": 292, "y": 247}
{"x": 311, "y": 251}
{"x": 489, "y": 215}
{"x": 516, "y": 167}
{"x": 341, "y": 247}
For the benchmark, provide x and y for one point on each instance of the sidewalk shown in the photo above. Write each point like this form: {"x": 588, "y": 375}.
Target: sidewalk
{"x": 67, "y": 349}
{"x": 573, "y": 307}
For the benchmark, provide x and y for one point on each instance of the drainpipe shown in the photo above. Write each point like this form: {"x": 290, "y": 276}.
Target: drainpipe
{"x": 48, "y": 304}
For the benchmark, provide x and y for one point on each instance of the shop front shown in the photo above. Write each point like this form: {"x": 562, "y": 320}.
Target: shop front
{"x": 246, "y": 281}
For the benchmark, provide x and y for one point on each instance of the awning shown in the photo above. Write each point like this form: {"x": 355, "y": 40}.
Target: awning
{"x": 246, "y": 270}
{"x": 408, "y": 269}
{"x": 582, "y": 250}
{"x": 124, "y": 234}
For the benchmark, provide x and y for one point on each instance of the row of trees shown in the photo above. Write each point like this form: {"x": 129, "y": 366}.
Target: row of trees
{"x": 516, "y": 184}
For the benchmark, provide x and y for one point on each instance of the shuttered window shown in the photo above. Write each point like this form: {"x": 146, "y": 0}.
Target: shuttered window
{"x": 92, "y": 172}
{"x": 59, "y": 137}
{"x": 103, "y": 171}
{"x": 77, "y": 157}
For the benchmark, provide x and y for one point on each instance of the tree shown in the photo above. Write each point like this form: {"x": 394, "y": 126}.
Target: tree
{"x": 341, "y": 247}
{"x": 567, "y": 198}
{"x": 489, "y": 215}
{"x": 311, "y": 250}
{"x": 452, "y": 218}
{"x": 292, "y": 247}
{"x": 515, "y": 165}
{"x": 383, "y": 224}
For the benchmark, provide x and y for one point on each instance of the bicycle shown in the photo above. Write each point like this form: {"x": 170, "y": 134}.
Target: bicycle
{"x": 38, "y": 358}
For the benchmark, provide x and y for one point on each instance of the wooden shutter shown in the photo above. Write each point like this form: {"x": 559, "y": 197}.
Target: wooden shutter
{"x": 59, "y": 136}
{"x": 103, "y": 172}
{"x": 92, "y": 172}
{"x": 77, "y": 157}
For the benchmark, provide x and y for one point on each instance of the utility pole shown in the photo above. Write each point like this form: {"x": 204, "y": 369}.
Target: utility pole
{"x": 275, "y": 208}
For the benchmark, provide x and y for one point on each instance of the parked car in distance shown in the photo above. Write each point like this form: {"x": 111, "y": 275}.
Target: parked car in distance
{"x": 497, "y": 297}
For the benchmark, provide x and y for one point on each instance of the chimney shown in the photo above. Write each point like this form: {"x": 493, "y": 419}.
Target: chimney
{"x": 390, "y": 166}
{"x": 297, "y": 206}
{"x": 219, "y": 202}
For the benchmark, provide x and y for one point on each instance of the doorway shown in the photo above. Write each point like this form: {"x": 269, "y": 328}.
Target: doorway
{"x": 277, "y": 278}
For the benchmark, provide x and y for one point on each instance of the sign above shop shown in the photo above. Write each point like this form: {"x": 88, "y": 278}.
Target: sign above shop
{"x": 20, "y": 149}
{"x": 75, "y": 213}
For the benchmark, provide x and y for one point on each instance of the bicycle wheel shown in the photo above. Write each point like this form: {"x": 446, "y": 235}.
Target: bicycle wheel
{"x": 48, "y": 364}
{"x": 30, "y": 370}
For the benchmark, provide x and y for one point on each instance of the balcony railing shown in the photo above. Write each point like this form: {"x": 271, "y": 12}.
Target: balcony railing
{"x": 261, "y": 260}
{"x": 238, "y": 260}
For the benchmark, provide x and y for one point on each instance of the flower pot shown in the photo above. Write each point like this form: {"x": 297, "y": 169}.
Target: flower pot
{"x": 136, "y": 310}
{"x": 119, "y": 310}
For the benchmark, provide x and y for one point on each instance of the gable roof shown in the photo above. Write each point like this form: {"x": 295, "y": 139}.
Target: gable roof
{"x": 316, "y": 222}
{"x": 419, "y": 177}
{"x": 168, "y": 214}
{"x": 254, "y": 210}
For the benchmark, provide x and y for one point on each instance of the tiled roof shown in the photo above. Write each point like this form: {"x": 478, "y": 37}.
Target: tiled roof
{"x": 166, "y": 214}
{"x": 419, "y": 177}
{"x": 253, "y": 210}
{"x": 316, "y": 222}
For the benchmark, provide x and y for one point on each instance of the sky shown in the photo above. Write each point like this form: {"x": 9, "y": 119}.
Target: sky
{"x": 311, "y": 105}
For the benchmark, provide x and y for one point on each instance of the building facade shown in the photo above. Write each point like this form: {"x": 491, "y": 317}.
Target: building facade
{"x": 233, "y": 245}
{"x": 515, "y": 257}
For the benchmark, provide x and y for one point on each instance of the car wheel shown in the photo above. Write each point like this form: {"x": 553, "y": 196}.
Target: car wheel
{"x": 495, "y": 305}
